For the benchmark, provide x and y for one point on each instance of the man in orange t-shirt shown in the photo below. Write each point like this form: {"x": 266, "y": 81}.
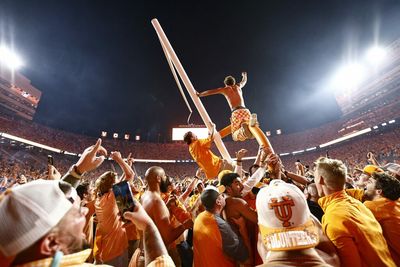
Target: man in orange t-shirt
{"x": 214, "y": 241}
{"x": 200, "y": 149}
{"x": 385, "y": 205}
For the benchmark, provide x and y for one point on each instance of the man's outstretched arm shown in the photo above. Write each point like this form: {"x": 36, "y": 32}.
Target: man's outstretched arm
{"x": 212, "y": 92}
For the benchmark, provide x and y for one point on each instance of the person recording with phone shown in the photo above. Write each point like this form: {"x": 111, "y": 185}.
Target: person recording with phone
{"x": 111, "y": 238}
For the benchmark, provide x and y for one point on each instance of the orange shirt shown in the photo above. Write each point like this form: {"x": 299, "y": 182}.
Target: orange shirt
{"x": 207, "y": 243}
{"x": 387, "y": 213}
{"x": 202, "y": 154}
{"x": 88, "y": 229}
{"x": 111, "y": 240}
{"x": 354, "y": 231}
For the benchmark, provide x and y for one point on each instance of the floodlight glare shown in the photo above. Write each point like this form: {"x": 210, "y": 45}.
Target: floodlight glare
{"x": 9, "y": 58}
{"x": 376, "y": 55}
{"x": 349, "y": 76}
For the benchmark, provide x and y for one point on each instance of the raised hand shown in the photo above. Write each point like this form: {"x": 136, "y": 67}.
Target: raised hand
{"x": 92, "y": 157}
{"x": 240, "y": 154}
{"x": 138, "y": 217}
{"x": 199, "y": 172}
{"x": 130, "y": 160}
{"x": 116, "y": 155}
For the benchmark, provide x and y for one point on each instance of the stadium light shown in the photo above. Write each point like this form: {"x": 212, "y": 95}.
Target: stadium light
{"x": 392, "y": 121}
{"x": 349, "y": 76}
{"x": 137, "y": 137}
{"x": 9, "y": 58}
{"x": 376, "y": 55}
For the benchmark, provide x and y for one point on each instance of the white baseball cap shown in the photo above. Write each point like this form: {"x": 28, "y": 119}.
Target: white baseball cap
{"x": 28, "y": 212}
{"x": 284, "y": 218}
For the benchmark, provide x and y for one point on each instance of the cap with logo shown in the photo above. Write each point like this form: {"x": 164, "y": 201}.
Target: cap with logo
{"x": 284, "y": 218}
{"x": 28, "y": 212}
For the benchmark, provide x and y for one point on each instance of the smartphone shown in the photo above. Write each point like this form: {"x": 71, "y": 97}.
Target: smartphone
{"x": 124, "y": 197}
{"x": 50, "y": 160}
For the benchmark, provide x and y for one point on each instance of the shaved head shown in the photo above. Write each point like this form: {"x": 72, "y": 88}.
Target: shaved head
{"x": 153, "y": 173}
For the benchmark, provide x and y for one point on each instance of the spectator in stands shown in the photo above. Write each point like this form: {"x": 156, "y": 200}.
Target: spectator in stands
{"x": 347, "y": 222}
{"x": 385, "y": 205}
{"x": 215, "y": 243}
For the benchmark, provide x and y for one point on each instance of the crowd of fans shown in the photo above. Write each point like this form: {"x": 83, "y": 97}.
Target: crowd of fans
{"x": 336, "y": 207}
{"x": 284, "y": 143}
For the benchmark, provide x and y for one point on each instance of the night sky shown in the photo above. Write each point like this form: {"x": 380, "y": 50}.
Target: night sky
{"x": 100, "y": 66}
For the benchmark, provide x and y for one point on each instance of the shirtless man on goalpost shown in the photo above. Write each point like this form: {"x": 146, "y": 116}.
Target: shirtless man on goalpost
{"x": 240, "y": 118}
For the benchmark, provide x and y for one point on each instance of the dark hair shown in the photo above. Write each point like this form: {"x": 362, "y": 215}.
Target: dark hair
{"x": 389, "y": 185}
{"x": 253, "y": 168}
{"x": 208, "y": 198}
{"x": 188, "y": 137}
{"x": 229, "y": 80}
{"x": 82, "y": 189}
{"x": 227, "y": 179}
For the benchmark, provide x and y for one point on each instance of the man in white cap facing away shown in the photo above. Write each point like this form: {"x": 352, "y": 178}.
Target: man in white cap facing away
{"x": 289, "y": 233}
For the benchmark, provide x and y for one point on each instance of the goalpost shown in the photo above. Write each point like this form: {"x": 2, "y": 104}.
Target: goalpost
{"x": 177, "y": 68}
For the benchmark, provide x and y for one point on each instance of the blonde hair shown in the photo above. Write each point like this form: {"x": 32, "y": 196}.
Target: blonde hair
{"x": 333, "y": 171}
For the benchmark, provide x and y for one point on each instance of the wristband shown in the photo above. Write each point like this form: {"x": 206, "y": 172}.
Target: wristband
{"x": 238, "y": 160}
{"x": 74, "y": 172}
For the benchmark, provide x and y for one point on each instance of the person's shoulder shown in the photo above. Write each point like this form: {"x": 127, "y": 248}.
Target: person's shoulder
{"x": 149, "y": 199}
{"x": 375, "y": 204}
{"x": 235, "y": 201}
